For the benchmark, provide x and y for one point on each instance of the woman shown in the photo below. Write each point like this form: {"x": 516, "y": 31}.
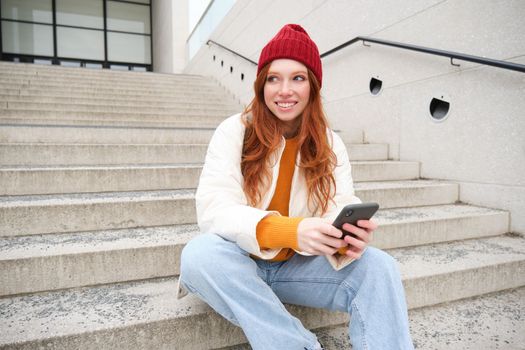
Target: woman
{"x": 274, "y": 179}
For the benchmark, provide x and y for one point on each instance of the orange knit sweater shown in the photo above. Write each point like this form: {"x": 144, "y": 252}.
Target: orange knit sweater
{"x": 281, "y": 231}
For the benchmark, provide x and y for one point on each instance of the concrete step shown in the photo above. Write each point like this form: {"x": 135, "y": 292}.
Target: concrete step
{"x": 400, "y": 194}
{"x": 133, "y": 254}
{"x": 30, "y": 154}
{"x": 46, "y": 262}
{"x": 121, "y": 97}
{"x": 33, "y": 154}
{"x": 148, "y": 174}
{"x": 178, "y": 109}
{"x": 194, "y": 119}
{"x": 472, "y": 268}
{"x": 63, "y": 133}
{"x": 67, "y": 134}
{"x": 110, "y": 178}
{"x": 154, "y": 78}
{"x": 171, "y": 89}
{"x": 190, "y": 114}
{"x": 9, "y": 68}
{"x": 366, "y": 151}
{"x": 19, "y": 215}
{"x": 24, "y": 79}
{"x": 76, "y": 80}
{"x": 492, "y": 321}
{"x": 139, "y": 315}
{"x": 107, "y": 92}
{"x": 100, "y": 120}
{"x": 174, "y": 102}
{"x": 384, "y": 170}
{"x": 143, "y": 315}
{"x": 112, "y": 89}
{"x": 114, "y": 210}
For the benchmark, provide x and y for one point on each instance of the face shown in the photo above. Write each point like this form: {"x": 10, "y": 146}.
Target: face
{"x": 287, "y": 92}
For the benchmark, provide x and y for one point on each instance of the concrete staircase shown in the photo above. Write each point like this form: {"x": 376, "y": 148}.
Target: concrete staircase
{"x": 97, "y": 178}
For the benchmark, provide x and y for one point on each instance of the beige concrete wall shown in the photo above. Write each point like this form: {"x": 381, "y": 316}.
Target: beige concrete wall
{"x": 170, "y": 30}
{"x": 480, "y": 144}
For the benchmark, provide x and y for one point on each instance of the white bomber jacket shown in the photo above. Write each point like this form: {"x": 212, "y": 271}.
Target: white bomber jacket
{"x": 222, "y": 206}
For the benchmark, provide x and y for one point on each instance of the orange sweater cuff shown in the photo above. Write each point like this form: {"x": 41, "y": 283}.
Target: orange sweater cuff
{"x": 343, "y": 250}
{"x": 275, "y": 232}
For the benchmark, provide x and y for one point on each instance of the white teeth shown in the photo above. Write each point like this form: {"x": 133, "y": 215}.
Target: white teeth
{"x": 285, "y": 105}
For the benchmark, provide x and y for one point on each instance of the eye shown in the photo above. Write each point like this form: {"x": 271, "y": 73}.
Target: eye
{"x": 299, "y": 78}
{"x": 271, "y": 78}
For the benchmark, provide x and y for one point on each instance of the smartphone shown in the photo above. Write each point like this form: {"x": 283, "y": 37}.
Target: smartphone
{"x": 352, "y": 213}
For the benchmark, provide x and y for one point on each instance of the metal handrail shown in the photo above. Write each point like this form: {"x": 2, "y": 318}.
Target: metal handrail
{"x": 235, "y": 53}
{"x": 452, "y": 55}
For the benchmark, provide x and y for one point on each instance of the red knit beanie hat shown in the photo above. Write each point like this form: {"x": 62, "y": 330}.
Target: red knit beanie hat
{"x": 293, "y": 42}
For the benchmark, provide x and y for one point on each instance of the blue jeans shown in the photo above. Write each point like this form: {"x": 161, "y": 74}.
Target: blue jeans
{"x": 250, "y": 293}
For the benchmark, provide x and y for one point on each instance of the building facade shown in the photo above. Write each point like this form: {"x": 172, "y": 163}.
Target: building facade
{"x": 86, "y": 33}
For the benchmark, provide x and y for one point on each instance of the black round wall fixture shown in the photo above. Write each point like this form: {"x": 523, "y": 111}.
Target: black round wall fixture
{"x": 231, "y": 69}
{"x": 439, "y": 109}
{"x": 222, "y": 63}
{"x": 375, "y": 86}
{"x": 213, "y": 58}
{"x": 242, "y": 76}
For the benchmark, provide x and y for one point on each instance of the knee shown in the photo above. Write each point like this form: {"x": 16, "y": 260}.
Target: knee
{"x": 206, "y": 255}
{"x": 196, "y": 254}
{"x": 380, "y": 262}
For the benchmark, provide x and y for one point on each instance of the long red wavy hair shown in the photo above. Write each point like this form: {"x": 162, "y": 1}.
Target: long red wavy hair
{"x": 263, "y": 136}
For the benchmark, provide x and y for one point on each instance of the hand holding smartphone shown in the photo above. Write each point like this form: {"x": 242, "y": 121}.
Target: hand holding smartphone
{"x": 352, "y": 213}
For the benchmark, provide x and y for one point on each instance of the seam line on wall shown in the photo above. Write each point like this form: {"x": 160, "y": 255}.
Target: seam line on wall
{"x": 459, "y": 182}
{"x": 460, "y": 71}
{"x": 406, "y": 18}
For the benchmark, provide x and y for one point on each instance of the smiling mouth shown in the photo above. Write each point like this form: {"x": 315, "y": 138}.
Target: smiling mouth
{"x": 285, "y": 104}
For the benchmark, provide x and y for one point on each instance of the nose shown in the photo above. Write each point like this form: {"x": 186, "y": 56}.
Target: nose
{"x": 285, "y": 88}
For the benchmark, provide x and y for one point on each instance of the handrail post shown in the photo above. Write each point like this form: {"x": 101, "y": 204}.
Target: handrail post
{"x": 227, "y": 49}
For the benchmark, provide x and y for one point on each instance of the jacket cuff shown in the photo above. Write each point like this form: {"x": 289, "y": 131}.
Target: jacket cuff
{"x": 278, "y": 232}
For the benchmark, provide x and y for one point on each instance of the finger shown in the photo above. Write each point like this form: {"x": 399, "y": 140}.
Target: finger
{"x": 312, "y": 249}
{"x": 354, "y": 253}
{"x": 323, "y": 249}
{"x": 315, "y": 244}
{"x": 333, "y": 242}
{"x": 367, "y": 224}
{"x": 319, "y": 238}
{"x": 355, "y": 242}
{"x": 357, "y": 231}
{"x": 330, "y": 230}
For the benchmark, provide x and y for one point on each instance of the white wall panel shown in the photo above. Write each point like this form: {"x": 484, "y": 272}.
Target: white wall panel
{"x": 480, "y": 144}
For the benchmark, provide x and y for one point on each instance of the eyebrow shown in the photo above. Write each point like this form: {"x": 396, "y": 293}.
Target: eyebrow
{"x": 296, "y": 72}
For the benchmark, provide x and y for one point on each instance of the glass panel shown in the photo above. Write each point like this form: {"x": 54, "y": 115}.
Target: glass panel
{"x": 80, "y": 43}
{"x": 209, "y": 21}
{"x": 27, "y": 39}
{"x": 127, "y": 17}
{"x": 140, "y": 1}
{"x": 129, "y": 48}
{"x": 70, "y": 64}
{"x": 81, "y": 13}
{"x": 118, "y": 67}
{"x": 28, "y": 10}
{"x": 44, "y": 62}
{"x": 93, "y": 65}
